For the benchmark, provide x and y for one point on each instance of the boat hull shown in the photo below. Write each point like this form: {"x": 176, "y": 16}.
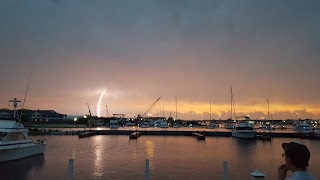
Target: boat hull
{"x": 244, "y": 134}
{"x": 19, "y": 152}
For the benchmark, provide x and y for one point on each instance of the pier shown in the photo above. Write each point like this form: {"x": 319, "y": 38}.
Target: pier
{"x": 199, "y": 136}
{"x": 261, "y": 135}
{"x": 135, "y": 135}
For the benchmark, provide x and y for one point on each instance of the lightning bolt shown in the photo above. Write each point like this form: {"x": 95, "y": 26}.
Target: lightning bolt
{"x": 99, "y": 102}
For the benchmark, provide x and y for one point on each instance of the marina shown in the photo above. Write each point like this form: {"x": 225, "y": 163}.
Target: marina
{"x": 113, "y": 157}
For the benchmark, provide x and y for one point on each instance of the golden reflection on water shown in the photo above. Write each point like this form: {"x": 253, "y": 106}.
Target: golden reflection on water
{"x": 98, "y": 149}
{"x": 150, "y": 152}
{"x": 150, "y": 149}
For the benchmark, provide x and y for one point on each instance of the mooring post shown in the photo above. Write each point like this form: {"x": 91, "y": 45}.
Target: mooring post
{"x": 71, "y": 167}
{"x": 225, "y": 170}
{"x": 147, "y": 169}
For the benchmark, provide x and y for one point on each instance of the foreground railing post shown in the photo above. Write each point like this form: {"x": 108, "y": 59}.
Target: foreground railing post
{"x": 147, "y": 170}
{"x": 71, "y": 167}
{"x": 225, "y": 170}
{"x": 257, "y": 175}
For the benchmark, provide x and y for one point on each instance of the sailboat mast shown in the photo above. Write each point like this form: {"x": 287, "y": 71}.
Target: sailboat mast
{"x": 210, "y": 110}
{"x": 231, "y": 104}
{"x": 176, "y": 108}
{"x": 268, "y": 109}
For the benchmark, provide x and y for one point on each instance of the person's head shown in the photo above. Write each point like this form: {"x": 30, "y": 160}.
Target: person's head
{"x": 296, "y": 155}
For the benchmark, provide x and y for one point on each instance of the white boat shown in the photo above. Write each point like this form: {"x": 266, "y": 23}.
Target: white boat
{"x": 15, "y": 142}
{"x": 302, "y": 127}
{"x": 114, "y": 124}
{"x": 211, "y": 126}
{"x": 145, "y": 124}
{"x": 164, "y": 124}
{"x": 244, "y": 130}
{"x": 176, "y": 125}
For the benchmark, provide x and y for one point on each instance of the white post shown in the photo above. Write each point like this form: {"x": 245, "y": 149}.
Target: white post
{"x": 71, "y": 167}
{"x": 225, "y": 170}
{"x": 147, "y": 169}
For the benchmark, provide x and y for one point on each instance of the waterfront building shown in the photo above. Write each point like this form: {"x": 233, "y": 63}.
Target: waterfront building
{"x": 35, "y": 115}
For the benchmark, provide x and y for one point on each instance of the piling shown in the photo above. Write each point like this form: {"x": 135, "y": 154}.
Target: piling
{"x": 225, "y": 170}
{"x": 147, "y": 170}
{"x": 71, "y": 167}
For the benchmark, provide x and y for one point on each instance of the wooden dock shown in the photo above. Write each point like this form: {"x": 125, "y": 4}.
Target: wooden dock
{"x": 199, "y": 136}
{"x": 263, "y": 137}
{"x": 86, "y": 134}
{"x": 135, "y": 135}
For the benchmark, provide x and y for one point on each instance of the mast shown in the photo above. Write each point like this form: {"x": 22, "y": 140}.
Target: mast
{"x": 176, "y": 108}
{"x": 268, "y": 109}
{"x": 210, "y": 110}
{"x": 231, "y": 104}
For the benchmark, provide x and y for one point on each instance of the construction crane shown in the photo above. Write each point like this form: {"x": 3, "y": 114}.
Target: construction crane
{"x": 107, "y": 110}
{"x": 90, "y": 121}
{"x": 89, "y": 109}
{"x": 147, "y": 111}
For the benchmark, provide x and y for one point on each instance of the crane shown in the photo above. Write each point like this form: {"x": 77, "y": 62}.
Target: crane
{"x": 89, "y": 109}
{"x": 147, "y": 111}
{"x": 107, "y": 110}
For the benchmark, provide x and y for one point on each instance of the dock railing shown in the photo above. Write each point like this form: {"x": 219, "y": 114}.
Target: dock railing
{"x": 256, "y": 175}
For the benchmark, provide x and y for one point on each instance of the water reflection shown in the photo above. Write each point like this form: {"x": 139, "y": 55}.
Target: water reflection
{"x": 98, "y": 150}
{"x": 21, "y": 169}
{"x": 150, "y": 149}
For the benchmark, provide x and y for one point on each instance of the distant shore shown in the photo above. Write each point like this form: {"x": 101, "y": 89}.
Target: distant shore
{"x": 57, "y": 126}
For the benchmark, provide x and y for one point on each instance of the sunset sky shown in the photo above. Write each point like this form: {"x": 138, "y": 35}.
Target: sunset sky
{"x": 194, "y": 50}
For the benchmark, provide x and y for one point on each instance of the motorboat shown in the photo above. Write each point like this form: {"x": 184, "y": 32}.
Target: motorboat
{"x": 244, "y": 130}
{"x": 114, "y": 124}
{"x": 303, "y": 127}
{"x": 211, "y": 126}
{"x": 15, "y": 142}
{"x": 164, "y": 124}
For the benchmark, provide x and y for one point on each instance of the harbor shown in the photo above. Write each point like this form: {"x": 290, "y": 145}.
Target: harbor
{"x": 170, "y": 157}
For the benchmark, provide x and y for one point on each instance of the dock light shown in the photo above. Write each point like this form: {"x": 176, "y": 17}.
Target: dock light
{"x": 75, "y": 119}
{"x": 85, "y": 117}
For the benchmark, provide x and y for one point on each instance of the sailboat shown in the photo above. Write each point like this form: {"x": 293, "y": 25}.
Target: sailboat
{"x": 244, "y": 129}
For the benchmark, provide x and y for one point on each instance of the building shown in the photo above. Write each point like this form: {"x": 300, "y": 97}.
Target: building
{"x": 35, "y": 115}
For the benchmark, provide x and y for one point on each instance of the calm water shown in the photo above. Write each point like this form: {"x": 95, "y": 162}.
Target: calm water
{"x": 171, "y": 157}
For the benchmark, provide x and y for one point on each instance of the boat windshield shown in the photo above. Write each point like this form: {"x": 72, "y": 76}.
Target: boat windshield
{"x": 2, "y": 135}
{"x": 14, "y": 136}
{"x": 244, "y": 128}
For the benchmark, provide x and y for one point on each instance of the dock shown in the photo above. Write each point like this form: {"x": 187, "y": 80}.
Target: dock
{"x": 135, "y": 135}
{"x": 86, "y": 134}
{"x": 199, "y": 136}
{"x": 263, "y": 137}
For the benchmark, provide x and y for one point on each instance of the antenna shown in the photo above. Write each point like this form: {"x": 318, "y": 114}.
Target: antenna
{"x": 15, "y": 105}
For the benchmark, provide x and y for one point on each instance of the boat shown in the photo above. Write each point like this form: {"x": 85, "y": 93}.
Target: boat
{"x": 244, "y": 130}
{"x": 164, "y": 124}
{"x": 302, "y": 127}
{"x": 114, "y": 124}
{"x": 15, "y": 142}
{"x": 211, "y": 126}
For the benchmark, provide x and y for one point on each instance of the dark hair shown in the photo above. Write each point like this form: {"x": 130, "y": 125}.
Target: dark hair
{"x": 298, "y": 154}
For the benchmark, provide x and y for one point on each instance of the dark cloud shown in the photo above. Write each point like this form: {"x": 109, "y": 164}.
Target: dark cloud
{"x": 194, "y": 49}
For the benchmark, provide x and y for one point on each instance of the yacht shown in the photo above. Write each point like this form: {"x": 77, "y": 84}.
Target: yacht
{"x": 15, "y": 142}
{"x": 244, "y": 130}
{"x": 302, "y": 127}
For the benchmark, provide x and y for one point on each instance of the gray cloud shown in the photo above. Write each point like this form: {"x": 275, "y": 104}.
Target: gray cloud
{"x": 193, "y": 49}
